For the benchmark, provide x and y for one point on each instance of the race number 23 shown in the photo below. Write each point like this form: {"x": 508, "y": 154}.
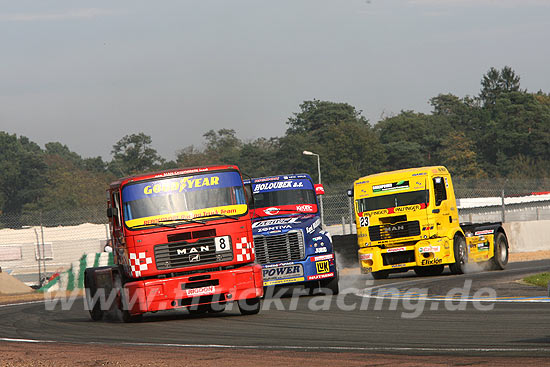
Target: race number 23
{"x": 364, "y": 221}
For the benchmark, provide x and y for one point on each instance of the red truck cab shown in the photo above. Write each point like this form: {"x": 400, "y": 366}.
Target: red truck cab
{"x": 181, "y": 239}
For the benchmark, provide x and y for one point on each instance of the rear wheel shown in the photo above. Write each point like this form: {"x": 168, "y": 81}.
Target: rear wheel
{"x": 249, "y": 306}
{"x": 461, "y": 255}
{"x": 500, "y": 259}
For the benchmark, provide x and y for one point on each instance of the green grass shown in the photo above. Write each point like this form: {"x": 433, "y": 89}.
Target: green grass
{"x": 541, "y": 279}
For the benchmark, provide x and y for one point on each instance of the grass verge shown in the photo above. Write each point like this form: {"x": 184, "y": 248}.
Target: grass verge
{"x": 541, "y": 279}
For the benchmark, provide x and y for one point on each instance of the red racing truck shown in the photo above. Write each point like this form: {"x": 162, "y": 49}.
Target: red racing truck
{"x": 181, "y": 239}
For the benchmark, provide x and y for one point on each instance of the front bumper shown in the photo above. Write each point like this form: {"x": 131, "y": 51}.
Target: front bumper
{"x": 430, "y": 252}
{"x": 313, "y": 268}
{"x": 183, "y": 291}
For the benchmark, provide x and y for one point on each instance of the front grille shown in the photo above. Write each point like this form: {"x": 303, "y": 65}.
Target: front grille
{"x": 397, "y": 230}
{"x": 181, "y": 254}
{"x": 400, "y": 257}
{"x": 280, "y": 247}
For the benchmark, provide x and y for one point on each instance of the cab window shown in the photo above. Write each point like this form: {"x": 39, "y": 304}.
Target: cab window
{"x": 439, "y": 190}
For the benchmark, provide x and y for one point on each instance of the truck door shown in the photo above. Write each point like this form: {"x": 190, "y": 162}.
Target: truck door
{"x": 441, "y": 202}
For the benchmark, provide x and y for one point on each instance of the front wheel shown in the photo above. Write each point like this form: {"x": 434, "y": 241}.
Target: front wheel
{"x": 249, "y": 306}
{"x": 461, "y": 256}
{"x": 382, "y": 274}
{"x": 94, "y": 305}
{"x": 500, "y": 258}
{"x": 331, "y": 284}
{"x": 429, "y": 270}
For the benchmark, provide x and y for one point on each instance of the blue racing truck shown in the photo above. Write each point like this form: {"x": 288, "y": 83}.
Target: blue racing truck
{"x": 289, "y": 241}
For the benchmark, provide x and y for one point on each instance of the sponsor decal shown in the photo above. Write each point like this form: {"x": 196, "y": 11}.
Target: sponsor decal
{"x": 365, "y": 256}
{"x": 397, "y": 249}
{"x": 407, "y": 208}
{"x": 283, "y": 281}
{"x": 429, "y": 249}
{"x": 320, "y": 276}
{"x": 272, "y": 185}
{"x": 320, "y": 250}
{"x": 200, "y": 291}
{"x": 322, "y": 267}
{"x": 271, "y": 211}
{"x": 282, "y": 272}
{"x": 375, "y": 212}
{"x": 318, "y": 238}
{"x": 276, "y": 265}
{"x": 486, "y": 231}
{"x": 273, "y": 229}
{"x": 399, "y": 265}
{"x": 304, "y": 208}
{"x": 323, "y": 257}
{"x": 483, "y": 246}
{"x": 400, "y": 185}
{"x": 310, "y": 229}
{"x": 431, "y": 261}
{"x": 273, "y": 222}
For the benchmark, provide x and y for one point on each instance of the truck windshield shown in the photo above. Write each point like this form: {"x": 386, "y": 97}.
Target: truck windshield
{"x": 183, "y": 197}
{"x": 392, "y": 200}
{"x": 284, "y": 197}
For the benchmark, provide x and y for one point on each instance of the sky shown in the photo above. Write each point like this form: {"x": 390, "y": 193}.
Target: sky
{"x": 87, "y": 73}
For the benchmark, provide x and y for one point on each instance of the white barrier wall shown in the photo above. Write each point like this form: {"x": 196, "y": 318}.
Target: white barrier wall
{"x": 528, "y": 236}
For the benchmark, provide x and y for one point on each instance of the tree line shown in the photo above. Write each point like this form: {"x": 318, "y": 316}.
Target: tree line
{"x": 504, "y": 132}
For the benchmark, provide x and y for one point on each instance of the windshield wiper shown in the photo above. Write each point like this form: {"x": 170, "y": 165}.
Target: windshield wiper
{"x": 179, "y": 221}
{"x": 154, "y": 224}
{"x": 219, "y": 215}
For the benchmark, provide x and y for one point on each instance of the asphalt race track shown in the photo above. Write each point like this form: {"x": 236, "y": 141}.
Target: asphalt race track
{"x": 481, "y": 313}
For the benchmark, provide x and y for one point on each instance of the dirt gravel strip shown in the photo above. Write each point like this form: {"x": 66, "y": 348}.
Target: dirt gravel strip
{"x": 19, "y": 354}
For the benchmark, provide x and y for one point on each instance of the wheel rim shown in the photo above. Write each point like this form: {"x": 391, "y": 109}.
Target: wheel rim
{"x": 502, "y": 251}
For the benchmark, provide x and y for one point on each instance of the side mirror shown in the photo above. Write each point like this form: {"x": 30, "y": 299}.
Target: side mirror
{"x": 350, "y": 193}
{"x": 249, "y": 195}
{"x": 319, "y": 189}
{"x": 111, "y": 212}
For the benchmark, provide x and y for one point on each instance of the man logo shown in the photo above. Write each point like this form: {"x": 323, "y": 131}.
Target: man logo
{"x": 194, "y": 258}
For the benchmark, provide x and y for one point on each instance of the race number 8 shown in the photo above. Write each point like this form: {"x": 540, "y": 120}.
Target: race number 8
{"x": 222, "y": 243}
{"x": 364, "y": 221}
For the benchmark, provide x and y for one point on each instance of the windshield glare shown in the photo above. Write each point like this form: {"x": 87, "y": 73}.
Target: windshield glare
{"x": 392, "y": 200}
{"x": 284, "y": 197}
{"x": 185, "y": 197}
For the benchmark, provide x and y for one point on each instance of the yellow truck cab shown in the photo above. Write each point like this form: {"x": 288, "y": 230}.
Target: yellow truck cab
{"x": 408, "y": 219}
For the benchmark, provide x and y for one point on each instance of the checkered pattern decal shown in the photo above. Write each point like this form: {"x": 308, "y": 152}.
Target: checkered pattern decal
{"x": 244, "y": 249}
{"x": 139, "y": 262}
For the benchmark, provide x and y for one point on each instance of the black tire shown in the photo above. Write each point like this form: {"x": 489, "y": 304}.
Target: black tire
{"x": 331, "y": 284}
{"x": 122, "y": 305}
{"x": 249, "y": 306}
{"x": 461, "y": 255}
{"x": 433, "y": 270}
{"x": 500, "y": 258}
{"x": 382, "y": 274}
{"x": 96, "y": 313}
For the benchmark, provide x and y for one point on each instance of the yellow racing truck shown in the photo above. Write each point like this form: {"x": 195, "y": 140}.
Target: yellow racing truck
{"x": 408, "y": 219}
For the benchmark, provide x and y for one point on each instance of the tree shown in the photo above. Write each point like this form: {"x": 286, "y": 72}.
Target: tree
{"x": 496, "y": 82}
{"x": 316, "y": 115}
{"x": 23, "y": 172}
{"x": 133, "y": 154}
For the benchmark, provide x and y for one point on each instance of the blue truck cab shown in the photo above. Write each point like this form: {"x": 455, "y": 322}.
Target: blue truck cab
{"x": 289, "y": 241}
